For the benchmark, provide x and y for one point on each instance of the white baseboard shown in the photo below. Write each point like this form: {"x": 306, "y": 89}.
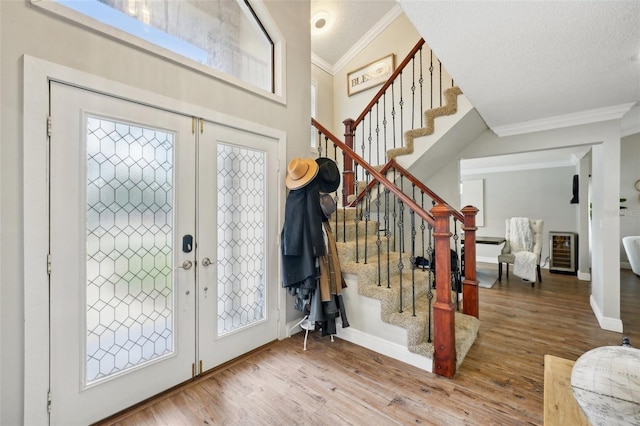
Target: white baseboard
{"x": 611, "y": 324}
{"x": 376, "y": 344}
{"x": 293, "y": 327}
{"x": 384, "y": 347}
{"x": 584, "y": 276}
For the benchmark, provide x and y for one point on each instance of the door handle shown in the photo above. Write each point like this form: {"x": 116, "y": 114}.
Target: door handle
{"x": 206, "y": 262}
{"x": 187, "y": 264}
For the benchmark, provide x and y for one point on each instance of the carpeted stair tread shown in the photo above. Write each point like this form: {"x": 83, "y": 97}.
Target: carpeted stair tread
{"x": 368, "y": 229}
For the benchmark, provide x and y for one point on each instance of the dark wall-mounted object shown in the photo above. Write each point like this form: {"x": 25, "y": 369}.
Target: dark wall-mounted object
{"x": 574, "y": 200}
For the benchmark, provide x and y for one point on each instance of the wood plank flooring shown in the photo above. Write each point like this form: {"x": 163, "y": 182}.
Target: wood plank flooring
{"x": 499, "y": 383}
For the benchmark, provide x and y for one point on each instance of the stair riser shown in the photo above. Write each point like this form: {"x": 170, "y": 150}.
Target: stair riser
{"x": 346, "y": 231}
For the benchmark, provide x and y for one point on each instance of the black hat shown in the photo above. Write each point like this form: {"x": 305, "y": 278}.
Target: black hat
{"x": 328, "y": 177}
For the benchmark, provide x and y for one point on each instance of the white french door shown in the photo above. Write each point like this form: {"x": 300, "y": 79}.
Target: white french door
{"x": 236, "y": 234}
{"x": 139, "y": 199}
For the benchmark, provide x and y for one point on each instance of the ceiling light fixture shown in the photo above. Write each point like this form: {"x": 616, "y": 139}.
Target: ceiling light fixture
{"x": 320, "y": 21}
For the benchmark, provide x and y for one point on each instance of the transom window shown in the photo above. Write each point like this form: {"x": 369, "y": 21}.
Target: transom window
{"x": 224, "y": 35}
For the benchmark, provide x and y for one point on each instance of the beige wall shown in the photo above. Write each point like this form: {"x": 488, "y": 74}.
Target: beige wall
{"x": 398, "y": 38}
{"x": 25, "y": 29}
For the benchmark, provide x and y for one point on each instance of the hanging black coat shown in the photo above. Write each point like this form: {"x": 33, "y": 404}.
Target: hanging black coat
{"x": 301, "y": 240}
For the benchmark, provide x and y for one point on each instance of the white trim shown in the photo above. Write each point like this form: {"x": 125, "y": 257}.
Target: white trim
{"x": 517, "y": 167}
{"x": 279, "y": 48}
{"x": 574, "y": 119}
{"x": 606, "y": 323}
{"x": 322, "y": 64}
{"x": 36, "y": 242}
{"x": 357, "y": 47}
{"x": 37, "y": 74}
{"x": 584, "y": 276}
{"x": 384, "y": 347}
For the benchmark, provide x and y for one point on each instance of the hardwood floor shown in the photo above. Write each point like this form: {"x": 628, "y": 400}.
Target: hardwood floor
{"x": 500, "y": 381}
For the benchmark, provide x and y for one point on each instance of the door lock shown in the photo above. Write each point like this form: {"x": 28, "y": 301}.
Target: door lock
{"x": 206, "y": 262}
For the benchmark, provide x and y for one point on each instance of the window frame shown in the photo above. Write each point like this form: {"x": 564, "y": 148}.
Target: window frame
{"x": 258, "y": 9}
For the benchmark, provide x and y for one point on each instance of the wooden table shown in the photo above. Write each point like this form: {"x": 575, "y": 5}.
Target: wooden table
{"x": 560, "y": 406}
{"x": 495, "y": 241}
{"x": 489, "y": 240}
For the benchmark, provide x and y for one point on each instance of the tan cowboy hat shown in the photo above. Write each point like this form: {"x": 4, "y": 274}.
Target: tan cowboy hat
{"x": 300, "y": 172}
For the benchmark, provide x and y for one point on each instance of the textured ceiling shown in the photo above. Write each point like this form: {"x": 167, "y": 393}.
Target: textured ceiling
{"x": 350, "y": 21}
{"x": 517, "y": 62}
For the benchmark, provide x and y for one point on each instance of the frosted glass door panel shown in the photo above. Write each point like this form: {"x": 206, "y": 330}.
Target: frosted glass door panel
{"x": 241, "y": 237}
{"x": 130, "y": 297}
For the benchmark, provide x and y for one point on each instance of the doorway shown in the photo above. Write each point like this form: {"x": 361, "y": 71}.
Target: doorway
{"x": 162, "y": 263}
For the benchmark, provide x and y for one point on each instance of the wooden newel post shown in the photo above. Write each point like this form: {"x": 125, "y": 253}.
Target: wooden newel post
{"x": 348, "y": 180}
{"x": 444, "y": 327}
{"x": 470, "y": 283}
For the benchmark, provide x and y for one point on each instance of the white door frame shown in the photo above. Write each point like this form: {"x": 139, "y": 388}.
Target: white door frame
{"x": 37, "y": 74}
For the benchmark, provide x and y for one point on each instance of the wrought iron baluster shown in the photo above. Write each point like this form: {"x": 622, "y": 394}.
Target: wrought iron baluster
{"x": 393, "y": 112}
{"x": 378, "y": 240}
{"x": 413, "y": 92}
{"x": 387, "y": 234}
{"x": 412, "y": 257}
{"x": 377, "y": 134}
{"x": 394, "y": 214}
{"x": 421, "y": 81}
{"x": 319, "y": 143}
{"x": 400, "y": 264}
{"x": 402, "y": 239}
{"x": 384, "y": 124}
{"x": 356, "y": 220}
{"x": 367, "y": 207}
{"x": 431, "y": 282}
{"x": 336, "y": 197}
{"x": 440, "y": 64}
{"x": 431, "y": 81}
{"x": 344, "y": 207}
{"x": 401, "y": 103}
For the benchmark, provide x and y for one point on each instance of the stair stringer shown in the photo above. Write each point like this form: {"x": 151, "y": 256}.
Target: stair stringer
{"x": 367, "y": 329}
{"x": 373, "y": 311}
{"x": 449, "y": 108}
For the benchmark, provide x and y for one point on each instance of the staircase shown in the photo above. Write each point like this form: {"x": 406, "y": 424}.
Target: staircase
{"x": 376, "y": 319}
{"x": 392, "y": 307}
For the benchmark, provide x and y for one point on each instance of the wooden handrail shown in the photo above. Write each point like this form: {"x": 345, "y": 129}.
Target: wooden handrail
{"x": 388, "y": 83}
{"x": 376, "y": 174}
{"x": 370, "y": 185}
{"x": 392, "y": 164}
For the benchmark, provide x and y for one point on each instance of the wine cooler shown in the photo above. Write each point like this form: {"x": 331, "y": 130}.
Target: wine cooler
{"x": 564, "y": 252}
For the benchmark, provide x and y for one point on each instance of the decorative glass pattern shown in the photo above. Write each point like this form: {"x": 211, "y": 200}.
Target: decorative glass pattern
{"x": 130, "y": 296}
{"x": 241, "y": 237}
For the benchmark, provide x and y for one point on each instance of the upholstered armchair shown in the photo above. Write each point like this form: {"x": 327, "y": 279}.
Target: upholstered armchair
{"x": 508, "y": 256}
{"x": 632, "y": 248}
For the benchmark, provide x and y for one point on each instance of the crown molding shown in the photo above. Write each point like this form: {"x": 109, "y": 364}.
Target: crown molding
{"x": 322, "y": 64}
{"x": 575, "y": 119}
{"x": 519, "y": 167}
{"x": 361, "y": 44}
